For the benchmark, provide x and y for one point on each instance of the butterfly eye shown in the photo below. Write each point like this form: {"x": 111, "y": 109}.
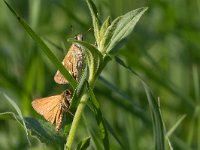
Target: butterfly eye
{"x": 79, "y": 37}
{"x": 67, "y": 96}
{"x": 68, "y": 92}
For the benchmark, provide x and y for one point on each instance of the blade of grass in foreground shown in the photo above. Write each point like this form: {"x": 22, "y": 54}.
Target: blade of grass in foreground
{"x": 44, "y": 47}
{"x": 156, "y": 120}
{"x": 19, "y": 114}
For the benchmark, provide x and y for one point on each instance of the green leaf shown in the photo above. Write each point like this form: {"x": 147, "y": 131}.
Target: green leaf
{"x": 105, "y": 41}
{"x": 104, "y": 27}
{"x": 84, "y": 144}
{"x": 45, "y": 48}
{"x": 156, "y": 120}
{"x": 10, "y": 116}
{"x": 123, "y": 28}
{"x": 103, "y": 30}
{"x": 100, "y": 119}
{"x": 95, "y": 20}
{"x": 13, "y": 116}
{"x": 45, "y": 132}
{"x": 18, "y": 118}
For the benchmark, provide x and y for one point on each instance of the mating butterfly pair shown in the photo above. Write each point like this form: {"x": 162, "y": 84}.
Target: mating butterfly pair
{"x": 53, "y": 108}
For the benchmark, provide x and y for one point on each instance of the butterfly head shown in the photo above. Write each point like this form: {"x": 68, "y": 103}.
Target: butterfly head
{"x": 66, "y": 98}
{"x": 79, "y": 37}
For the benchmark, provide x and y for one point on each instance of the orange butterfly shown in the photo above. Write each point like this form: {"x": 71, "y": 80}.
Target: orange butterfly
{"x": 73, "y": 62}
{"x": 52, "y": 108}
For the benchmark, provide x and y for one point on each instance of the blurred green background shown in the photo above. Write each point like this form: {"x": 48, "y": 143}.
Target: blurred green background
{"x": 164, "y": 49}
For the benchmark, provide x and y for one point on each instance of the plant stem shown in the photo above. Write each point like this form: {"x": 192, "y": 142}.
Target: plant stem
{"x": 75, "y": 122}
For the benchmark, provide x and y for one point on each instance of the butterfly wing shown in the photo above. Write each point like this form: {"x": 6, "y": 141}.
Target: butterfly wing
{"x": 48, "y": 107}
{"x": 67, "y": 62}
{"x": 73, "y": 62}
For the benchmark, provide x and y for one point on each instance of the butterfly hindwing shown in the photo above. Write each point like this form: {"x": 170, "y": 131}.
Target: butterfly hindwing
{"x": 59, "y": 118}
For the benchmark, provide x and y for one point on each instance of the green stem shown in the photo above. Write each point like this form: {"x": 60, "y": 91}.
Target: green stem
{"x": 75, "y": 122}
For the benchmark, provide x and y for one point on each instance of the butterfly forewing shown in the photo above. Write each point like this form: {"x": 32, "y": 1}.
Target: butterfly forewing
{"x": 68, "y": 64}
{"x": 73, "y": 62}
{"x": 48, "y": 107}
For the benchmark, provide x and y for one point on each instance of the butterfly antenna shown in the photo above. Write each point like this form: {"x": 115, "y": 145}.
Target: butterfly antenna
{"x": 71, "y": 28}
{"x": 87, "y": 31}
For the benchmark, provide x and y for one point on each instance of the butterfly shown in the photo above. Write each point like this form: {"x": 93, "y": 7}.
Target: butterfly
{"x": 52, "y": 108}
{"x": 73, "y": 62}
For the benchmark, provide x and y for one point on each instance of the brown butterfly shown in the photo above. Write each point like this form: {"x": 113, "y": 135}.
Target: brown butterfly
{"x": 52, "y": 108}
{"x": 73, "y": 62}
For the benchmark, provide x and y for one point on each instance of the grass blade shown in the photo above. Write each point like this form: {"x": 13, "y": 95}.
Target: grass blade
{"x": 174, "y": 127}
{"x": 156, "y": 119}
{"x": 113, "y": 134}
